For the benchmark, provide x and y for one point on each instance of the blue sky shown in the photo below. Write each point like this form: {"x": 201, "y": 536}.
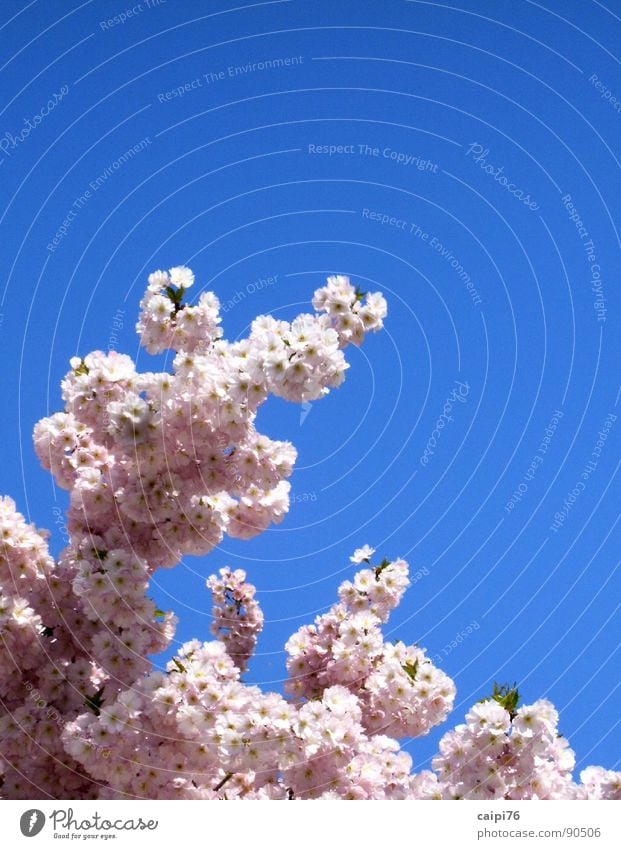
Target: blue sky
{"x": 459, "y": 158}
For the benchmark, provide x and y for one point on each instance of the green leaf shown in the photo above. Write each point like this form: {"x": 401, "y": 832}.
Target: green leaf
{"x": 95, "y": 702}
{"x": 81, "y": 369}
{"x": 506, "y": 696}
{"x": 179, "y": 665}
{"x": 411, "y": 669}
{"x": 360, "y": 295}
{"x": 159, "y": 614}
{"x": 379, "y": 569}
{"x": 176, "y": 296}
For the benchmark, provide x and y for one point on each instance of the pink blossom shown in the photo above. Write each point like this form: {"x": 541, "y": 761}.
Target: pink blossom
{"x": 159, "y": 465}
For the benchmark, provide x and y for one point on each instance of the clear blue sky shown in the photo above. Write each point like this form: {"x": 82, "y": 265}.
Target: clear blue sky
{"x": 470, "y": 134}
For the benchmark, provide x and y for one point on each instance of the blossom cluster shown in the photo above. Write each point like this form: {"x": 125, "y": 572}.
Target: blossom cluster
{"x": 502, "y": 752}
{"x": 160, "y": 465}
{"x": 352, "y": 312}
{"x": 237, "y": 617}
{"x": 401, "y": 692}
{"x": 45, "y": 675}
{"x": 196, "y": 732}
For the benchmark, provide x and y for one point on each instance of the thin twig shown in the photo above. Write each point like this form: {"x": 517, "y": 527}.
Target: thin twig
{"x": 221, "y": 784}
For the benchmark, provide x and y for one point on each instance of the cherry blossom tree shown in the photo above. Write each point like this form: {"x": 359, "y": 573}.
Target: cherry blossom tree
{"x": 159, "y": 465}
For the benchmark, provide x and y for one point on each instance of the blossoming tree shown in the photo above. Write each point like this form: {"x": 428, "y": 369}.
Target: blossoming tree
{"x": 160, "y": 465}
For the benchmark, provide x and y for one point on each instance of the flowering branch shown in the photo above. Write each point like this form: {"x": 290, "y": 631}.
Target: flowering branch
{"x": 160, "y": 465}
